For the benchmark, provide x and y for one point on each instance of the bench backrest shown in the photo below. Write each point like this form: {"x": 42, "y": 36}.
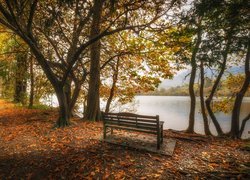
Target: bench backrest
{"x": 150, "y": 123}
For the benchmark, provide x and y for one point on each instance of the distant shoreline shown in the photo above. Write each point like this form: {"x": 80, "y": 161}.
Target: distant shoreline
{"x": 176, "y": 95}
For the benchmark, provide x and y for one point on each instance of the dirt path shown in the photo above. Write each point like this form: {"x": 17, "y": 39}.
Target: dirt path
{"x": 31, "y": 149}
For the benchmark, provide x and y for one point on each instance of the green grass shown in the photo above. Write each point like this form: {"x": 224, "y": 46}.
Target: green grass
{"x": 42, "y": 107}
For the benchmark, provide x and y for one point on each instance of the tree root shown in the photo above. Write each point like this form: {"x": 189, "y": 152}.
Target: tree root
{"x": 190, "y": 137}
{"x": 60, "y": 124}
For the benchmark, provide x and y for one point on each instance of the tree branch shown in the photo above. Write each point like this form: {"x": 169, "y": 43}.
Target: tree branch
{"x": 53, "y": 45}
{"x": 31, "y": 16}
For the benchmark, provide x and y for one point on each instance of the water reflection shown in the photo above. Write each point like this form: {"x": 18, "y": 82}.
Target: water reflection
{"x": 174, "y": 111}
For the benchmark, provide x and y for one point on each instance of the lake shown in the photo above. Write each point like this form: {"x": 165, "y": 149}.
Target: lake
{"x": 174, "y": 111}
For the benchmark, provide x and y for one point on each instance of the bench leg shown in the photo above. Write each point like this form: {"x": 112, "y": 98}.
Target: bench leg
{"x": 158, "y": 140}
{"x": 111, "y": 130}
{"x": 158, "y": 145}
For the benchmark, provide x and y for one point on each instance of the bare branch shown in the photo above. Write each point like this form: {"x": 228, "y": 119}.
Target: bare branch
{"x": 111, "y": 58}
{"x": 53, "y": 45}
{"x": 64, "y": 35}
{"x": 31, "y": 16}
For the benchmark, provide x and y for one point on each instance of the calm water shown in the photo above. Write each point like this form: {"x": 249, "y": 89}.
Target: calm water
{"x": 174, "y": 111}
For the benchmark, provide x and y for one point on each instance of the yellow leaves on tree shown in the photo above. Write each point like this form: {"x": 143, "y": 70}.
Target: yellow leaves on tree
{"x": 230, "y": 87}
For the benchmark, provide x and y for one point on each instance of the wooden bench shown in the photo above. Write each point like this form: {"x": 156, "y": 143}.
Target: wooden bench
{"x": 133, "y": 122}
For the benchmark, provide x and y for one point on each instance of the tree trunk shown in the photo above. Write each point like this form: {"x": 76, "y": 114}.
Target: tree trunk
{"x": 21, "y": 78}
{"x": 93, "y": 99}
{"x": 74, "y": 98}
{"x": 67, "y": 91}
{"x": 203, "y": 108}
{"x": 112, "y": 90}
{"x": 76, "y": 91}
{"x": 31, "y": 98}
{"x": 190, "y": 128}
{"x": 64, "y": 111}
{"x": 244, "y": 121}
{"x": 215, "y": 86}
{"x": 235, "y": 122}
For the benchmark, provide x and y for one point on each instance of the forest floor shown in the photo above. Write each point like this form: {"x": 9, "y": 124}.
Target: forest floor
{"x": 31, "y": 149}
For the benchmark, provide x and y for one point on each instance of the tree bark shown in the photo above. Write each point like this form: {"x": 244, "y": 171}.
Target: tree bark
{"x": 67, "y": 91}
{"x": 215, "y": 86}
{"x": 21, "y": 78}
{"x": 112, "y": 90}
{"x": 31, "y": 98}
{"x": 202, "y": 101}
{"x": 244, "y": 121}
{"x": 93, "y": 98}
{"x": 76, "y": 91}
{"x": 190, "y": 128}
{"x": 235, "y": 122}
{"x": 64, "y": 111}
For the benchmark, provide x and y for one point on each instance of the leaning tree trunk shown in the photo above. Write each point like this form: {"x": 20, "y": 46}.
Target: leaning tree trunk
{"x": 21, "y": 77}
{"x": 76, "y": 92}
{"x": 190, "y": 128}
{"x": 235, "y": 122}
{"x": 202, "y": 101}
{"x": 112, "y": 90}
{"x": 210, "y": 98}
{"x": 31, "y": 98}
{"x": 215, "y": 86}
{"x": 93, "y": 99}
{"x": 243, "y": 124}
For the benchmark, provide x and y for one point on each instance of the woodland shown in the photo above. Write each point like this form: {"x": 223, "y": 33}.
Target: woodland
{"x": 85, "y": 52}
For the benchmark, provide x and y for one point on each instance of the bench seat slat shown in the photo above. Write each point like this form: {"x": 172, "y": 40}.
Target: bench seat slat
{"x": 131, "y": 119}
{"x": 132, "y": 122}
{"x": 127, "y": 124}
{"x": 132, "y": 129}
{"x": 130, "y": 115}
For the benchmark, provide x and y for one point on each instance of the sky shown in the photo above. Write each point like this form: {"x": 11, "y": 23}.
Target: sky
{"x": 179, "y": 79}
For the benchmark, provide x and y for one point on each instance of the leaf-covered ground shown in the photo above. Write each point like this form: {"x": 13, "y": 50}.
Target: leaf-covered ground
{"x": 31, "y": 149}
